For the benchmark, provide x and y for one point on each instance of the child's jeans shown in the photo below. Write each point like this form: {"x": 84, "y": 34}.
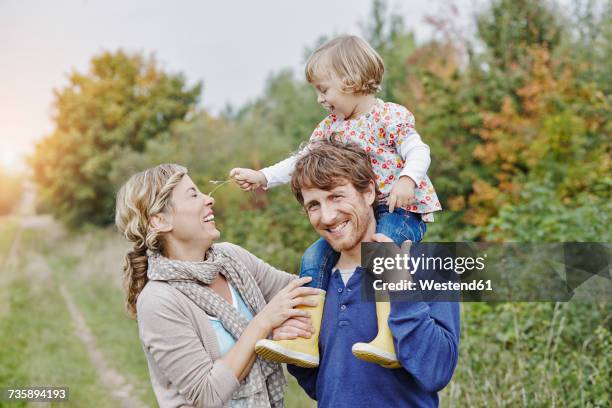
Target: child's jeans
{"x": 401, "y": 225}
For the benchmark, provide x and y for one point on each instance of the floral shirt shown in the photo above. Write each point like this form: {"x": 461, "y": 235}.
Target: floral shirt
{"x": 388, "y": 135}
{"x": 382, "y": 133}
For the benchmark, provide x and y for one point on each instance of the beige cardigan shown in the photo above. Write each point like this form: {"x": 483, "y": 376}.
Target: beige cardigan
{"x": 180, "y": 343}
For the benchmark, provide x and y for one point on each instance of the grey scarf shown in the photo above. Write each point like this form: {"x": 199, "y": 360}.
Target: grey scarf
{"x": 192, "y": 278}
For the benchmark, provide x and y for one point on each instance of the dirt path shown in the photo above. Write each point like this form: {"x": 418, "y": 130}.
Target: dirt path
{"x": 10, "y": 255}
{"x": 7, "y": 262}
{"x": 115, "y": 382}
{"x": 38, "y": 270}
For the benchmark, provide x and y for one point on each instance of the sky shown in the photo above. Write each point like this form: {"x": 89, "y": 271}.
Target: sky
{"x": 231, "y": 46}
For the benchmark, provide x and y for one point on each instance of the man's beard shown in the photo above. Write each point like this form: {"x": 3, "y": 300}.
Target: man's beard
{"x": 360, "y": 228}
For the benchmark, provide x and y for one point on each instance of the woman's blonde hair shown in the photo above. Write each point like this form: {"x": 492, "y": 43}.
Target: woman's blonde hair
{"x": 144, "y": 195}
{"x": 349, "y": 59}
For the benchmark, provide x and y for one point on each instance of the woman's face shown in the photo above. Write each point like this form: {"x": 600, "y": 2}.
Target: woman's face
{"x": 192, "y": 216}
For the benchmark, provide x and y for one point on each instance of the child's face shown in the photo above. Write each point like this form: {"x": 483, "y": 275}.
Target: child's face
{"x": 332, "y": 98}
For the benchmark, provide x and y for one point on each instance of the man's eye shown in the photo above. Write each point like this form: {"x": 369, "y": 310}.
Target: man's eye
{"x": 336, "y": 197}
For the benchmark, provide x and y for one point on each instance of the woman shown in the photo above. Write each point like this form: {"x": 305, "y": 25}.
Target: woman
{"x": 201, "y": 307}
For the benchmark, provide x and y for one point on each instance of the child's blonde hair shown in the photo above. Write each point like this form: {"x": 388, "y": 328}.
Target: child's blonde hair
{"x": 349, "y": 59}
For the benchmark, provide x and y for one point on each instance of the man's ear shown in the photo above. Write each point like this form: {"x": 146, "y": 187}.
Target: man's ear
{"x": 370, "y": 194}
{"x": 161, "y": 222}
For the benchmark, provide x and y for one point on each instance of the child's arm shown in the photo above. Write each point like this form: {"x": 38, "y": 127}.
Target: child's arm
{"x": 248, "y": 179}
{"x": 280, "y": 173}
{"x": 277, "y": 174}
{"x": 416, "y": 158}
{"x": 415, "y": 154}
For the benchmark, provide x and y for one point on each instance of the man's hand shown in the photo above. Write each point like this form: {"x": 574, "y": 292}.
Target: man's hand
{"x": 248, "y": 179}
{"x": 378, "y": 237}
{"x": 402, "y": 193}
{"x": 294, "y": 327}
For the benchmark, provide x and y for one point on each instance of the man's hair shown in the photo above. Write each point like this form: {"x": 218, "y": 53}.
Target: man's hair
{"x": 330, "y": 164}
{"x": 350, "y": 60}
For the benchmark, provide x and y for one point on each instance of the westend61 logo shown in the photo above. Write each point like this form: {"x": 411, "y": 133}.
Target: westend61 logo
{"x": 496, "y": 272}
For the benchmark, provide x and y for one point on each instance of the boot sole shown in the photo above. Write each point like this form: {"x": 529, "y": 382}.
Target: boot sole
{"x": 272, "y": 351}
{"x": 371, "y": 354}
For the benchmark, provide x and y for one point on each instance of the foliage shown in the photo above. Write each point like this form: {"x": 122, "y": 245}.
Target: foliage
{"x": 388, "y": 35}
{"x": 532, "y": 354}
{"x": 587, "y": 219}
{"x": 287, "y": 105}
{"x": 121, "y": 103}
{"x": 508, "y": 27}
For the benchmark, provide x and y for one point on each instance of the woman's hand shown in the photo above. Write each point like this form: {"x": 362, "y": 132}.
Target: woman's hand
{"x": 282, "y": 306}
{"x": 241, "y": 356}
{"x": 248, "y": 179}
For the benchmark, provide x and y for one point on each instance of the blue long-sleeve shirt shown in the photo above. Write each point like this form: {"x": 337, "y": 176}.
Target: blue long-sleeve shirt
{"x": 426, "y": 338}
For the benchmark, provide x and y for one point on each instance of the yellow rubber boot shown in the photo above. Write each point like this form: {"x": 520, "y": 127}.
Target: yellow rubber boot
{"x": 300, "y": 351}
{"x": 380, "y": 350}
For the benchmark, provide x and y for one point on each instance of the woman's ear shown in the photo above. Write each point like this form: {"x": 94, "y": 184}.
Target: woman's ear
{"x": 161, "y": 222}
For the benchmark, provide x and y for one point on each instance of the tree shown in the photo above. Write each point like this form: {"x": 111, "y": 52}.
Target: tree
{"x": 121, "y": 103}
{"x": 508, "y": 27}
{"x": 389, "y": 37}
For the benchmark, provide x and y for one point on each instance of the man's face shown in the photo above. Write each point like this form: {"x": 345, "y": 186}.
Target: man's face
{"x": 340, "y": 215}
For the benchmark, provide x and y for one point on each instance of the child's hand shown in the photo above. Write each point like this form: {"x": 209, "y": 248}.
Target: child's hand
{"x": 248, "y": 179}
{"x": 402, "y": 193}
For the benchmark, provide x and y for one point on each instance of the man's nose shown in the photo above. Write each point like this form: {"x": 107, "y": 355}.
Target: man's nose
{"x": 328, "y": 214}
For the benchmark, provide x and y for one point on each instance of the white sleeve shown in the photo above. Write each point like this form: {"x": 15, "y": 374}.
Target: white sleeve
{"x": 416, "y": 156}
{"x": 280, "y": 173}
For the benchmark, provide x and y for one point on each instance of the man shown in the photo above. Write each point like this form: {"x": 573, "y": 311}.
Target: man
{"x": 336, "y": 186}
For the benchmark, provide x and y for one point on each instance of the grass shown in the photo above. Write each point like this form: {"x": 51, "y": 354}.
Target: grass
{"x": 8, "y": 228}
{"x": 36, "y": 342}
{"x": 116, "y": 335}
{"x": 533, "y": 354}
{"x": 295, "y": 397}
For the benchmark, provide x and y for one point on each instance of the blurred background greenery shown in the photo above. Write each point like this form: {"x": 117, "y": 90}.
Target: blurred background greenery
{"x": 518, "y": 121}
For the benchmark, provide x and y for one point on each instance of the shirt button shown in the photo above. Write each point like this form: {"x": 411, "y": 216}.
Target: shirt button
{"x": 339, "y": 290}
{"x": 343, "y": 307}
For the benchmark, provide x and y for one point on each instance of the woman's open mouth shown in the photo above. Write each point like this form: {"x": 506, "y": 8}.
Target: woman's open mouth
{"x": 209, "y": 218}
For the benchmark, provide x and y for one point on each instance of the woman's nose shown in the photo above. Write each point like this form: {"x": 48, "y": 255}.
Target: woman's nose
{"x": 208, "y": 200}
